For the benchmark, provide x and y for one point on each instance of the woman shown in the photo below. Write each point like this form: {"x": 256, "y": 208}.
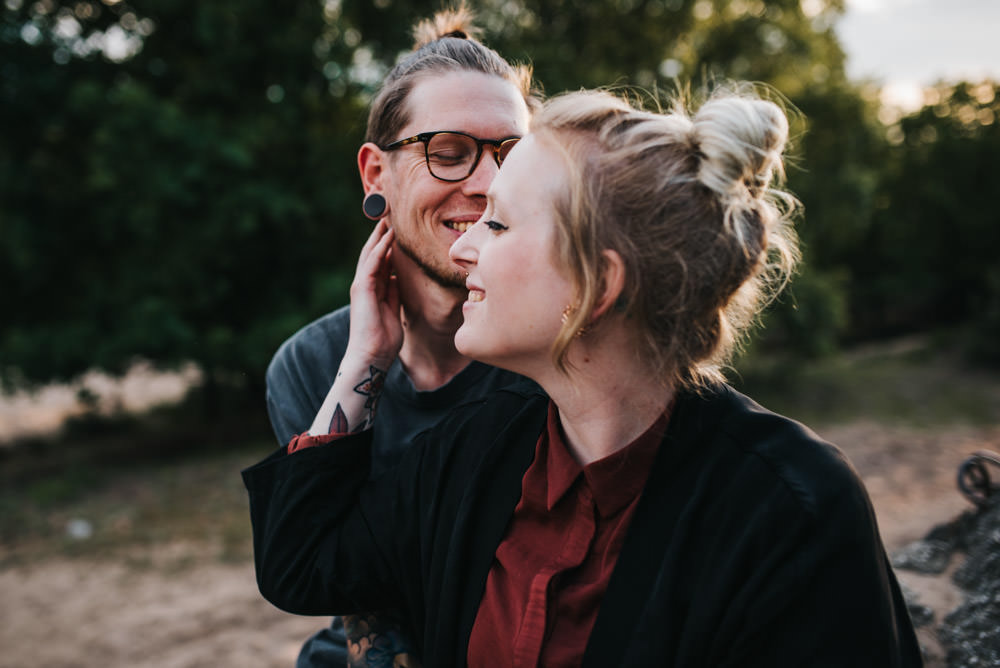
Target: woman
{"x": 635, "y": 511}
{"x": 459, "y": 95}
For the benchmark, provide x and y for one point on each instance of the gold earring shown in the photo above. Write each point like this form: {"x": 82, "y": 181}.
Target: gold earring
{"x": 566, "y": 313}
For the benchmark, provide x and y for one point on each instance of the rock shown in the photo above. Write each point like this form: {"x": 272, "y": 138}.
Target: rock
{"x": 921, "y": 614}
{"x": 924, "y": 556}
{"x": 970, "y": 634}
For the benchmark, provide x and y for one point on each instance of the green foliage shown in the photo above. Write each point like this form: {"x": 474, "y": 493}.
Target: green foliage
{"x": 178, "y": 181}
{"x": 929, "y": 255}
{"x": 809, "y": 317}
{"x": 177, "y": 204}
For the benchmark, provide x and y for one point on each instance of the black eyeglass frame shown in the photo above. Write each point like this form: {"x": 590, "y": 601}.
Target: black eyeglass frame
{"x": 425, "y": 137}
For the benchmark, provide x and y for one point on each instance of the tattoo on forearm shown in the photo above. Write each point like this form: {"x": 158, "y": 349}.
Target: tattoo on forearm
{"x": 371, "y": 388}
{"x": 378, "y": 641}
{"x": 338, "y": 423}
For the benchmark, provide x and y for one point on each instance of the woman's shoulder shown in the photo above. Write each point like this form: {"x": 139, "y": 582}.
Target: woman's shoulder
{"x": 776, "y": 454}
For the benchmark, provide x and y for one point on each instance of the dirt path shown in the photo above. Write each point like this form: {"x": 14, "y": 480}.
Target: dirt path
{"x": 69, "y": 613}
{"x": 183, "y": 609}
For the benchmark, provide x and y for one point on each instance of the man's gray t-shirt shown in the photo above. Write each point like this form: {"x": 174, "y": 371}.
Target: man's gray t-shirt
{"x": 298, "y": 380}
{"x": 304, "y": 367}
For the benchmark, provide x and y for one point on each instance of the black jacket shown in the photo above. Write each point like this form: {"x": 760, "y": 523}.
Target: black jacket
{"x": 754, "y": 543}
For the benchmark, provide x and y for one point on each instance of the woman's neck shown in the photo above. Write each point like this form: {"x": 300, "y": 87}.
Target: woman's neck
{"x": 609, "y": 399}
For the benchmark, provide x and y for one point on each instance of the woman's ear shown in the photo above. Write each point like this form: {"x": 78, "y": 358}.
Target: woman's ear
{"x": 612, "y": 281}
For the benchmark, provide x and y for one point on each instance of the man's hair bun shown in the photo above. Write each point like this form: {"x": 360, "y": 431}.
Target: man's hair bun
{"x": 456, "y": 22}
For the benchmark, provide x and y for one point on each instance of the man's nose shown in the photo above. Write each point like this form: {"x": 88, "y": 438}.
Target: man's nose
{"x": 482, "y": 176}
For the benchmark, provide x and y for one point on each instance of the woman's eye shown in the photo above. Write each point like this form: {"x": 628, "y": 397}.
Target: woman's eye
{"x": 495, "y": 226}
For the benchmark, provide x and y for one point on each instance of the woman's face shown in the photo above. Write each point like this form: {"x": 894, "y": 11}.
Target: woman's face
{"x": 427, "y": 214}
{"x": 517, "y": 293}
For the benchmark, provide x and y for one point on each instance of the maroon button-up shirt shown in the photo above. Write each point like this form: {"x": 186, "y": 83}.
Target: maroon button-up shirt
{"x": 552, "y": 568}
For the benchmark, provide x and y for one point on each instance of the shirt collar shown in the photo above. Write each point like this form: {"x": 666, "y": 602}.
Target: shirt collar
{"x": 560, "y": 467}
{"x": 615, "y": 480}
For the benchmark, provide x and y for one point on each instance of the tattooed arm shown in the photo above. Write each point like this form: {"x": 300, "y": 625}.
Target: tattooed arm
{"x": 350, "y": 405}
{"x": 378, "y": 641}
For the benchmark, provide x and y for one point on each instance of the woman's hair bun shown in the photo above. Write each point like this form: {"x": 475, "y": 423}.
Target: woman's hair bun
{"x": 456, "y": 22}
{"x": 740, "y": 141}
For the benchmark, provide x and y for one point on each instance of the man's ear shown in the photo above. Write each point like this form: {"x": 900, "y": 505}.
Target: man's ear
{"x": 371, "y": 167}
{"x": 612, "y": 281}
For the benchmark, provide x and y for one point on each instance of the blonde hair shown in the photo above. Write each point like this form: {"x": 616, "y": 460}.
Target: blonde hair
{"x": 442, "y": 44}
{"x": 692, "y": 205}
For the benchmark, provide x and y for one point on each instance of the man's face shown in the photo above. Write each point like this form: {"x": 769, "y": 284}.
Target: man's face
{"x": 428, "y": 214}
{"x": 517, "y": 290}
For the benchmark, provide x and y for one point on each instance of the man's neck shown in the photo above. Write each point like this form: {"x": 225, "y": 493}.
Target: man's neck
{"x": 431, "y": 316}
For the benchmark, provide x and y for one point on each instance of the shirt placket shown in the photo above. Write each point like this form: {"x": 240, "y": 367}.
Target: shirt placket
{"x": 579, "y": 537}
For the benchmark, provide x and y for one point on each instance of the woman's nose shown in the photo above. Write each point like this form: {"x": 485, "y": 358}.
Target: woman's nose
{"x": 464, "y": 251}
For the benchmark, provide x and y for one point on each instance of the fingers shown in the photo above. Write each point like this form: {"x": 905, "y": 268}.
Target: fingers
{"x": 373, "y": 260}
{"x": 392, "y": 296}
{"x": 378, "y": 235}
{"x": 381, "y": 227}
{"x": 381, "y": 257}
{"x": 383, "y": 245}
{"x": 382, "y": 275}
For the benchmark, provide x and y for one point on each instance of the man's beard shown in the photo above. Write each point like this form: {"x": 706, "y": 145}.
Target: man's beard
{"x": 450, "y": 277}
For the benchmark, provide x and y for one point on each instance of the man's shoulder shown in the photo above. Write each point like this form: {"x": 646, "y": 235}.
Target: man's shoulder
{"x": 322, "y": 341}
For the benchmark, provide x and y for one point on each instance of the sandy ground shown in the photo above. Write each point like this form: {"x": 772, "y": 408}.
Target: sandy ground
{"x": 183, "y": 609}
{"x": 67, "y": 613}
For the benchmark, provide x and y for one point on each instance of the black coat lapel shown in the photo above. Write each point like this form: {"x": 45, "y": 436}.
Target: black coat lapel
{"x": 485, "y": 512}
{"x": 647, "y": 541}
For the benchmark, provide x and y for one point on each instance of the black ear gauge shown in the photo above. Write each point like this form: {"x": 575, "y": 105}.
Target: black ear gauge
{"x": 374, "y": 206}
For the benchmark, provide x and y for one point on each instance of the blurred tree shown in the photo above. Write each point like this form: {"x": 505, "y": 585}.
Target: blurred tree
{"x": 929, "y": 257}
{"x": 180, "y": 180}
{"x": 179, "y": 183}
{"x": 672, "y": 46}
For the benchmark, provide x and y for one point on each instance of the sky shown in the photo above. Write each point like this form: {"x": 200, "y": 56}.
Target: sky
{"x": 905, "y": 44}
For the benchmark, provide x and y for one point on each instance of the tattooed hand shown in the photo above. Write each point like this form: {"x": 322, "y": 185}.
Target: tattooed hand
{"x": 378, "y": 641}
{"x": 375, "y": 339}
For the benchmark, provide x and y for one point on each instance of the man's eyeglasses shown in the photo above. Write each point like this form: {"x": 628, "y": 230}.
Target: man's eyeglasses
{"x": 453, "y": 156}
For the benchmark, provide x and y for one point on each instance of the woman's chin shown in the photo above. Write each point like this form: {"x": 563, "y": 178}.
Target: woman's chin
{"x": 464, "y": 342}
{"x": 472, "y": 346}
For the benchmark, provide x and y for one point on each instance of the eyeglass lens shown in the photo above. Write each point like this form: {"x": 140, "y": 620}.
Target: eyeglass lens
{"x": 453, "y": 156}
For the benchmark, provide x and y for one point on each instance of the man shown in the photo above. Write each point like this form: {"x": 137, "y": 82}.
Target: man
{"x": 451, "y": 97}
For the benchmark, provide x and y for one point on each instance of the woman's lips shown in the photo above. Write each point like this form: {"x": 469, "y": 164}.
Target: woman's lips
{"x": 476, "y": 295}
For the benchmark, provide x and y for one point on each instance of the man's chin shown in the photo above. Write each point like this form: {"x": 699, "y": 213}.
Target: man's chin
{"x": 450, "y": 276}
{"x": 455, "y": 281}
{"x": 445, "y": 277}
